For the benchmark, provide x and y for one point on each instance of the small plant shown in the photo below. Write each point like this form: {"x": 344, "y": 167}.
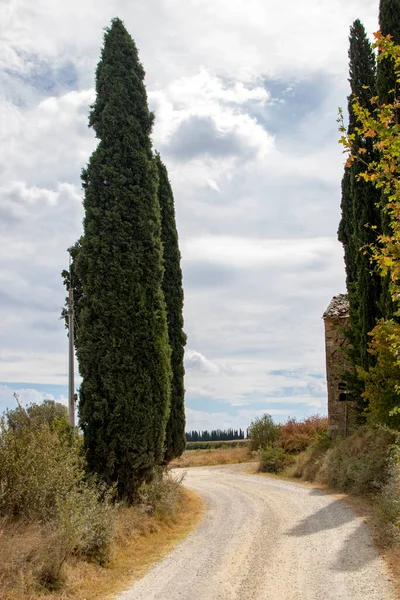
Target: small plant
{"x": 272, "y": 459}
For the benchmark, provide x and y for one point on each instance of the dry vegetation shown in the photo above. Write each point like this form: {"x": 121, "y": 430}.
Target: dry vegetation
{"x": 61, "y": 534}
{"x": 140, "y": 538}
{"x": 212, "y": 457}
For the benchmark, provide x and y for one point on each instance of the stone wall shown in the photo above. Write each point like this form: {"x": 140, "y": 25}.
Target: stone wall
{"x": 335, "y": 364}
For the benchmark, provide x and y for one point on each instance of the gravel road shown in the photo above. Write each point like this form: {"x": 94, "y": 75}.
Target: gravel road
{"x": 266, "y": 539}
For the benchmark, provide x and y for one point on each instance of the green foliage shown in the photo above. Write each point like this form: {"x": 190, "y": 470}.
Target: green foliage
{"x": 262, "y": 432}
{"x": 379, "y": 123}
{"x": 361, "y": 219}
{"x": 49, "y": 412}
{"x": 308, "y": 463}
{"x": 359, "y": 463}
{"x": 382, "y": 382}
{"x": 387, "y": 501}
{"x": 117, "y": 268}
{"x": 389, "y": 24}
{"x": 42, "y": 479}
{"x": 173, "y": 294}
{"x": 272, "y": 459}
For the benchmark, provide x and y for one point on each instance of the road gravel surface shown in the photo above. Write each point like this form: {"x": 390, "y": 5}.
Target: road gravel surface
{"x": 267, "y": 539}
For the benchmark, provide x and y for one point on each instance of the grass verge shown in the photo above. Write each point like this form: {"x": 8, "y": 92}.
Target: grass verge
{"x": 140, "y": 540}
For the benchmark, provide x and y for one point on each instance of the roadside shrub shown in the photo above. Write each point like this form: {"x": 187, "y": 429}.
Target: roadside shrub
{"x": 307, "y": 464}
{"x": 272, "y": 459}
{"x": 52, "y": 413}
{"x": 43, "y": 480}
{"x": 382, "y": 381}
{"x": 295, "y": 436}
{"x": 262, "y": 432}
{"x": 359, "y": 463}
{"x": 37, "y": 469}
{"x": 160, "y": 496}
{"x": 86, "y": 521}
{"x": 388, "y": 500}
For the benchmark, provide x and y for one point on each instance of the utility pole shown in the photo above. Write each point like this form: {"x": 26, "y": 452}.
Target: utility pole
{"x": 71, "y": 358}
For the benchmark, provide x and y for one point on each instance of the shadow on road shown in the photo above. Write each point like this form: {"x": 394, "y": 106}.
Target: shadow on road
{"x": 356, "y": 551}
{"x": 330, "y": 517}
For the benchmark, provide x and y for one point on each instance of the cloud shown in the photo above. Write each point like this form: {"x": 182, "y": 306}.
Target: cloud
{"x": 203, "y": 115}
{"x": 243, "y": 252}
{"x": 197, "y": 362}
{"x": 26, "y": 396}
{"x": 245, "y": 102}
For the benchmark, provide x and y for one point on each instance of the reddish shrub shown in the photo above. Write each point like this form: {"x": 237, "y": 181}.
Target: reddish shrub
{"x": 295, "y": 436}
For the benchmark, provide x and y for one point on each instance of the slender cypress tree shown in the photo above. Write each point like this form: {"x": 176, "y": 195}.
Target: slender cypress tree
{"x": 361, "y": 220}
{"x": 389, "y": 24}
{"x": 122, "y": 343}
{"x": 173, "y": 293}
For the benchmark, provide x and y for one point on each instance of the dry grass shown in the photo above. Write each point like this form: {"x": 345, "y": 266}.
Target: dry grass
{"x": 140, "y": 540}
{"x": 209, "y": 458}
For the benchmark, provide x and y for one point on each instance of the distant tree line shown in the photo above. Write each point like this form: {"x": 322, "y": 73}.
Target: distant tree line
{"x": 215, "y": 435}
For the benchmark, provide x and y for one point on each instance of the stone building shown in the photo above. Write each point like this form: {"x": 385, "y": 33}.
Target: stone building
{"x": 336, "y": 318}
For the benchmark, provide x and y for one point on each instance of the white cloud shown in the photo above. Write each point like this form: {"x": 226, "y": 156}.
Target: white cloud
{"x": 26, "y": 396}
{"x": 204, "y": 96}
{"x": 197, "y": 362}
{"x": 243, "y": 252}
{"x": 255, "y": 169}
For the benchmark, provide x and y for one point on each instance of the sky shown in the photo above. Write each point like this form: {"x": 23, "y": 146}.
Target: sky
{"x": 246, "y": 94}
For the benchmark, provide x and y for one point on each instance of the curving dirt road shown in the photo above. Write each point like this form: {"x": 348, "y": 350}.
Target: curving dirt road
{"x": 266, "y": 539}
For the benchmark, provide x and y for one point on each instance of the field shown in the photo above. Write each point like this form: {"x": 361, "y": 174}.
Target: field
{"x": 216, "y": 444}
{"x": 237, "y": 453}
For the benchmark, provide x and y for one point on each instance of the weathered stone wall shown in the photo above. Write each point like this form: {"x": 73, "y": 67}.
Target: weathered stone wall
{"x": 335, "y": 364}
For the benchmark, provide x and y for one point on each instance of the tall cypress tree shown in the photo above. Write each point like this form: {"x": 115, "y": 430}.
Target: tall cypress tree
{"x": 389, "y": 24}
{"x": 173, "y": 293}
{"x": 122, "y": 343}
{"x": 361, "y": 220}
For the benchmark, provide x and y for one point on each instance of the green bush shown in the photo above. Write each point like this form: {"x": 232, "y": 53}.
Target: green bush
{"x": 308, "y": 463}
{"x": 359, "y": 463}
{"x": 388, "y": 500}
{"x": 43, "y": 479}
{"x": 262, "y": 432}
{"x": 272, "y": 459}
